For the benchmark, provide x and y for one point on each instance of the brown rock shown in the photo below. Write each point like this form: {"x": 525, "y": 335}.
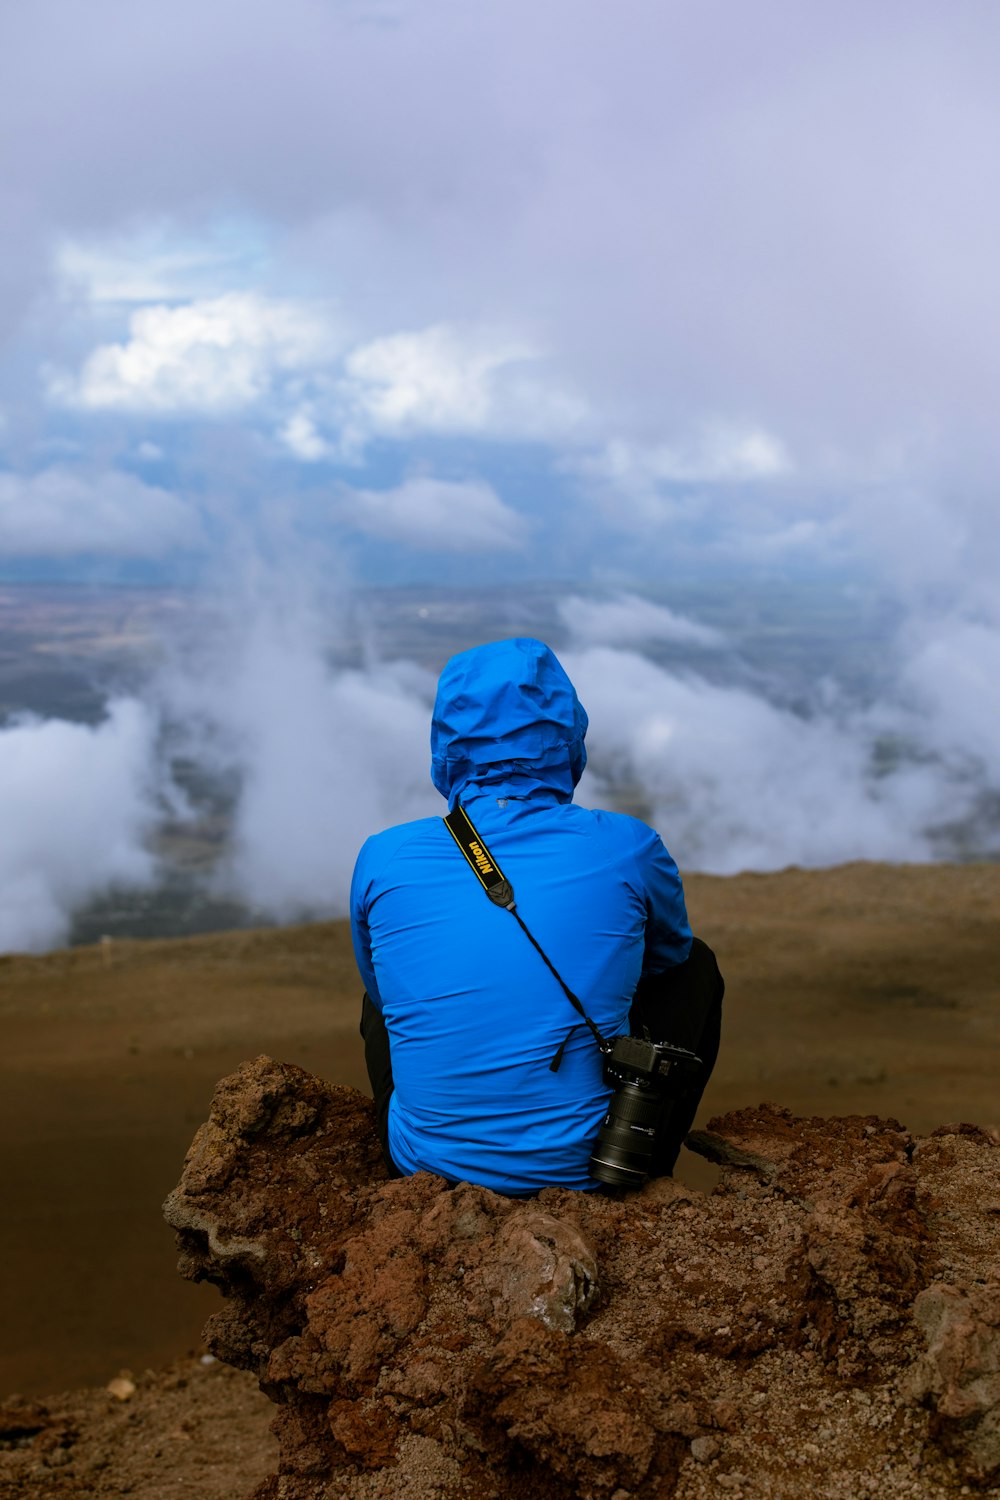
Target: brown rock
{"x": 959, "y": 1375}
{"x": 426, "y": 1340}
{"x": 570, "y": 1405}
{"x": 542, "y": 1268}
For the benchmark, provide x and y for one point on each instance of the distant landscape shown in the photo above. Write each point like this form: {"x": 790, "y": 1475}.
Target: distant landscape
{"x": 755, "y": 726}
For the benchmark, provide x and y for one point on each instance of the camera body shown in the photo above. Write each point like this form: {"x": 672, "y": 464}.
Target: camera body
{"x": 647, "y": 1077}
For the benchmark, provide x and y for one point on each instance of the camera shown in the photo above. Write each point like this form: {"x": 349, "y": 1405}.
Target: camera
{"x": 647, "y": 1077}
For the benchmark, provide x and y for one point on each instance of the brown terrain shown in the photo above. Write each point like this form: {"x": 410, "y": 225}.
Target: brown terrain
{"x": 813, "y": 1306}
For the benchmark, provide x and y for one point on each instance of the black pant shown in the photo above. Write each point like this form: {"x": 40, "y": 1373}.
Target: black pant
{"x": 683, "y": 1006}
{"x": 379, "y": 1064}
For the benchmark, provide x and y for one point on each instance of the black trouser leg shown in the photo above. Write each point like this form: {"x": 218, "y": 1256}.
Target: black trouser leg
{"x": 379, "y": 1065}
{"x": 683, "y": 1006}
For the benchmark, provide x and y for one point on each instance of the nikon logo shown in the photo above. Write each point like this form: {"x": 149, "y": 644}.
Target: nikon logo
{"x": 482, "y": 862}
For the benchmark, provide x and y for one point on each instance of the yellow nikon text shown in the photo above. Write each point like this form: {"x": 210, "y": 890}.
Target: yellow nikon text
{"x": 482, "y": 863}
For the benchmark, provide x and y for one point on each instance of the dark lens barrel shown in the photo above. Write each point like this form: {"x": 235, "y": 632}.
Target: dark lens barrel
{"x": 624, "y": 1146}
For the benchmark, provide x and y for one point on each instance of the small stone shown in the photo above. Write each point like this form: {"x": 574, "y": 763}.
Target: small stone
{"x": 542, "y": 1268}
{"x": 726, "y": 1414}
{"x": 121, "y": 1388}
{"x": 704, "y": 1449}
{"x": 208, "y": 1359}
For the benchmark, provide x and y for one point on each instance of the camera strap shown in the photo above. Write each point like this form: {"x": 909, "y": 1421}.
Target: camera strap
{"x": 501, "y": 893}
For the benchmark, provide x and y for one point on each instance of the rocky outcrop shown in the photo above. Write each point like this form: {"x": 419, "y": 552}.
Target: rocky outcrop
{"x": 827, "y": 1319}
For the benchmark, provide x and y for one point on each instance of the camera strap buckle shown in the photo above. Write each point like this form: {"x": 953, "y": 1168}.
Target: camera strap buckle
{"x": 501, "y": 893}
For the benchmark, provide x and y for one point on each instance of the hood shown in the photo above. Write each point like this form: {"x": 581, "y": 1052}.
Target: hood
{"x": 507, "y": 717}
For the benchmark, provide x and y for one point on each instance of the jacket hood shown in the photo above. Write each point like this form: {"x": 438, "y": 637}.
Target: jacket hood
{"x": 507, "y": 717}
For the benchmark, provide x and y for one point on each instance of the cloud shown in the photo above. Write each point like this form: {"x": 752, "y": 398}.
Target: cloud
{"x": 841, "y": 311}
{"x": 452, "y": 380}
{"x": 77, "y": 805}
{"x": 321, "y": 758}
{"x": 437, "y": 380}
{"x": 645, "y": 484}
{"x": 629, "y": 621}
{"x": 951, "y": 674}
{"x": 733, "y": 782}
{"x": 209, "y": 357}
{"x": 302, "y": 439}
{"x": 797, "y": 321}
{"x": 717, "y": 454}
{"x": 58, "y": 513}
{"x": 714, "y": 488}
{"x": 440, "y": 515}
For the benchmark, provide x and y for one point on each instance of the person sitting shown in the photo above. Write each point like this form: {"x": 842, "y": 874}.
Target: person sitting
{"x": 481, "y": 1069}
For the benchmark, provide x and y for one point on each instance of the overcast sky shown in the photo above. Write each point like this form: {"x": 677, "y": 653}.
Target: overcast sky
{"x": 568, "y": 290}
{"x": 546, "y": 287}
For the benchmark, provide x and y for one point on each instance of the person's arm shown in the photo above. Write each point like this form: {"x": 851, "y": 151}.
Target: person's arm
{"x": 668, "y": 932}
{"x": 360, "y": 935}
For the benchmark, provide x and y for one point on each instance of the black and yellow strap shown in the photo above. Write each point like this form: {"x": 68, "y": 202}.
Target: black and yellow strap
{"x": 501, "y": 892}
{"x": 481, "y": 862}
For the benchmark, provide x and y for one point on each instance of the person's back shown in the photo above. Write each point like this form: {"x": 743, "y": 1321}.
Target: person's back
{"x": 473, "y": 1017}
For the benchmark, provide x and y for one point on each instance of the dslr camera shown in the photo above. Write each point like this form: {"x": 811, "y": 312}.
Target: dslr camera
{"x": 647, "y": 1077}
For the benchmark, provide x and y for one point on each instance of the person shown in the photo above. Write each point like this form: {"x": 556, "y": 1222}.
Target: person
{"x": 461, "y": 1019}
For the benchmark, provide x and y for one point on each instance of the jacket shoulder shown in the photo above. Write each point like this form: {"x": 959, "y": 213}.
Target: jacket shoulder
{"x": 377, "y": 851}
{"x": 622, "y": 828}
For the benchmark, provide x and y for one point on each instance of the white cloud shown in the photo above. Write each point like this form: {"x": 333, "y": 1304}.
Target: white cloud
{"x": 57, "y": 513}
{"x": 719, "y": 453}
{"x": 952, "y": 674}
{"x": 629, "y": 620}
{"x": 448, "y": 379}
{"x": 733, "y": 782}
{"x": 724, "y": 488}
{"x": 322, "y": 758}
{"x": 76, "y": 805}
{"x": 438, "y": 379}
{"x": 210, "y": 357}
{"x": 437, "y": 514}
{"x": 303, "y": 441}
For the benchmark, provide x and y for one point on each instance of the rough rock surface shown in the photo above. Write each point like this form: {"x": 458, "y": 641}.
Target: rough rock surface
{"x": 826, "y": 1321}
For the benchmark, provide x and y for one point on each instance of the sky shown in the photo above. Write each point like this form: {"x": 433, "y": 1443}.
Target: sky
{"x": 556, "y": 289}
{"x": 304, "y": 296}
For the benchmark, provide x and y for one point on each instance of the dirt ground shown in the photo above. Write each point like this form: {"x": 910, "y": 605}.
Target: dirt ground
{"x": 863, "y": 989}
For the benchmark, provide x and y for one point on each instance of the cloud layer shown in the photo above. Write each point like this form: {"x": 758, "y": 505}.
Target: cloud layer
{"x": 77, "y": 805}
{"x": 437, "y": 515}
{"x": 63, "y": 513}
{"x": 726, "y": 274}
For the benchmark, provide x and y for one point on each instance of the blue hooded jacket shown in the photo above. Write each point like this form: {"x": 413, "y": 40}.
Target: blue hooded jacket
{"x": 474, "y": 1017}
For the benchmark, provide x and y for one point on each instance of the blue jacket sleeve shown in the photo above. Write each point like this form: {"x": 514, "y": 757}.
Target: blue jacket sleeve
{"x": 360, "y": 935}
{"x": 668, "y": 932}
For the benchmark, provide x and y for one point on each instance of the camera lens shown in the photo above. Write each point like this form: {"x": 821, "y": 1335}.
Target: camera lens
{"x": 624, "y": 1146}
